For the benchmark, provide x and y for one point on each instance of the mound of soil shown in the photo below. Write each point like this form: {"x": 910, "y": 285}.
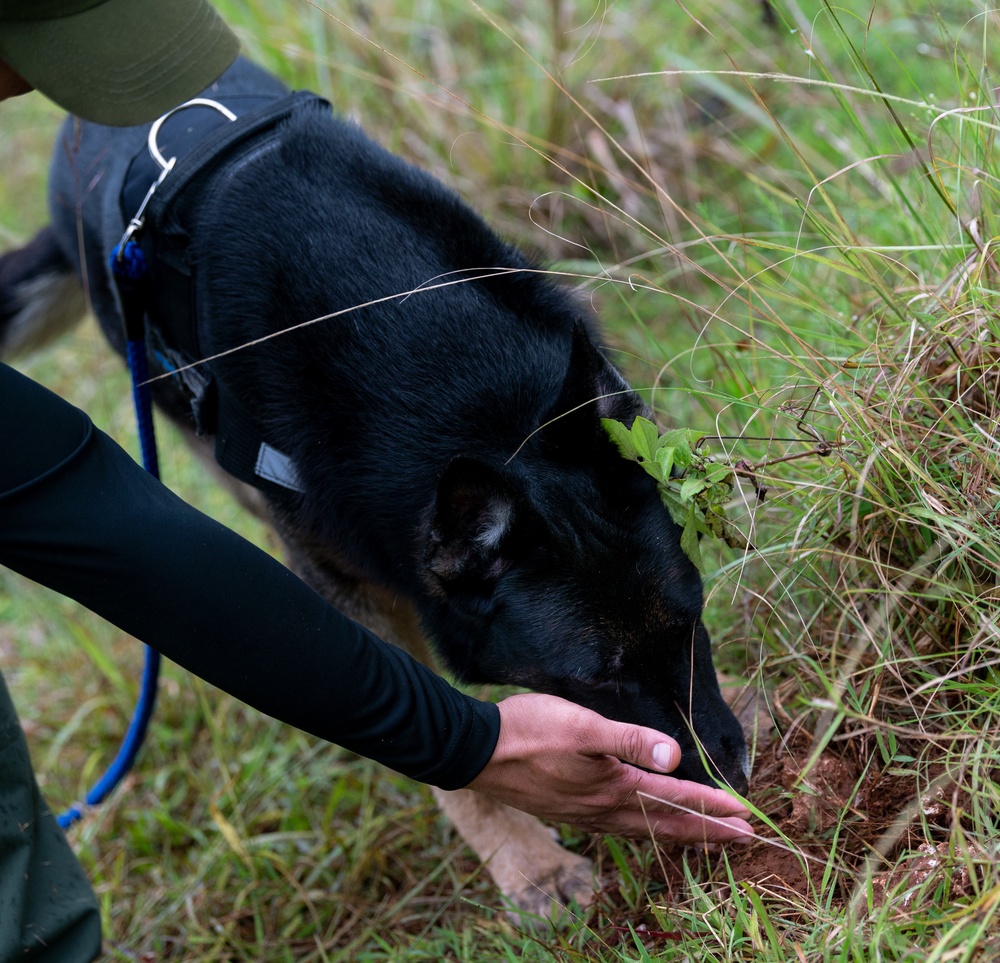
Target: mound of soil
{"x": 837, "y": 814}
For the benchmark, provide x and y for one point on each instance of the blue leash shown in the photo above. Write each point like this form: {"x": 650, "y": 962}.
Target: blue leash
{"x": 130, "y": 271}
{"x": 129, "y": 268}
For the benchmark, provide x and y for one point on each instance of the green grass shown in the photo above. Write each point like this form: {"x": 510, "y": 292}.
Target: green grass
{"x": 789, "y": 234}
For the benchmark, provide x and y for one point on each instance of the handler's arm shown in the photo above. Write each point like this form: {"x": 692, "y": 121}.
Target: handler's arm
{"x": 78, "y": 515}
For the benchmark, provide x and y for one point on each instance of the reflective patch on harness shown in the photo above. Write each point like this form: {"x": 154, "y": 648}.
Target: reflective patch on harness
{"x": 274, "y": 466}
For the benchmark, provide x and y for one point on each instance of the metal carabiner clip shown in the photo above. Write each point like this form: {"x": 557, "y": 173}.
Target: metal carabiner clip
{"x": 154, "y": 150}
{"x": 166, "y": 166}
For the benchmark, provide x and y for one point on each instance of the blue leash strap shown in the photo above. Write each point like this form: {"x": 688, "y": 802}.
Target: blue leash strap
{"x": 129, "y": 269}
{"x": 131, "y": 744}
{"x": 138, "y": 368}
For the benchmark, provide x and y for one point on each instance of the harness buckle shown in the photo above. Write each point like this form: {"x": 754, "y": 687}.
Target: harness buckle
{"x": 138, "y": 219}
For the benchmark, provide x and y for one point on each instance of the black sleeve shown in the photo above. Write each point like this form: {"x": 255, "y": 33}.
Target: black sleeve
{"x": 79, "y": 515}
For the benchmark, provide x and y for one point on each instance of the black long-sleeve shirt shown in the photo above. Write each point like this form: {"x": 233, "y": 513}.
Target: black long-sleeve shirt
{"x": 78, "y": 515}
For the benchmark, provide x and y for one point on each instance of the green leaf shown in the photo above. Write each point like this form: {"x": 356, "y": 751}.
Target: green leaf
{"x": 716, "y": 522}
{"x": 716, "y": 473}
{"x": 678, "y": 510}
{"x": 621, "y": 436}
{"x": 645, "y": 438}
{"x": 665, "y": 461}
{"x": 690, "y": 543}
{"x": 696, "y": 501}
{"x": 683, "y": 440}
{"x": 691, "y": 487}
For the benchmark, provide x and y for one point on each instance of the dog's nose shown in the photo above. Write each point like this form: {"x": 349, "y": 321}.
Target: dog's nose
{"x": 742, "y": 783}
{"x": 737, "y": 774}
{"x": 728, "y": 769}
{"x": 739, "y": 781}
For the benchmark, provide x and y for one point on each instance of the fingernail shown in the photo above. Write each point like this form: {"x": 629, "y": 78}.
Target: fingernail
{"x": 743, "y": 840}
{"x": 664, "y": 756}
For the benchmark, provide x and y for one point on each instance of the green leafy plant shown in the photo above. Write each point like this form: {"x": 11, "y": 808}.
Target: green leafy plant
{"x": 694, "y": 488}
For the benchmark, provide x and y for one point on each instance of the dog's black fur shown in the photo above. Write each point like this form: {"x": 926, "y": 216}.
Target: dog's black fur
{"x": 449, "y": 441}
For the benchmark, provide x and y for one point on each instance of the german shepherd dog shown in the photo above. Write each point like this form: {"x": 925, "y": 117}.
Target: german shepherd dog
{"x": 453, "y": 479}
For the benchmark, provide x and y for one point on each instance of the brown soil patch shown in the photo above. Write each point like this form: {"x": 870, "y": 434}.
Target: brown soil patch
{"x": 846, "y": 804}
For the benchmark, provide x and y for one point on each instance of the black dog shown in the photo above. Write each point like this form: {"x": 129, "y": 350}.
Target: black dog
{"x": 440, "y": 449}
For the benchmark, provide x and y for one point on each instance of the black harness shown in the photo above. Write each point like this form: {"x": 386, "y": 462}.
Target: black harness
{"x": 189, "y": 148}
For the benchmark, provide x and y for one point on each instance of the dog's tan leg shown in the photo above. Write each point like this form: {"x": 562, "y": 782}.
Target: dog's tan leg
{"x": 537, "y": 875}
{"x": 530, "y": 868}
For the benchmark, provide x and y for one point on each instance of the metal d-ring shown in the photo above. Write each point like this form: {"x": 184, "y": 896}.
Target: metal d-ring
{"x": 154, "y": 149}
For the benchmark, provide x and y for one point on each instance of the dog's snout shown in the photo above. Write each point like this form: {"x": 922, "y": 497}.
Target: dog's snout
{"x": 724, "y": 761}
{"x": 739, "y": 779}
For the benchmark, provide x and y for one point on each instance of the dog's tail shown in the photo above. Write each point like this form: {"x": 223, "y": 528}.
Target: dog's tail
{"x": 40, "y": 295}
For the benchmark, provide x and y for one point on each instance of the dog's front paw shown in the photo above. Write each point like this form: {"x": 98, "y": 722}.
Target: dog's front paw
{"x": 539, "y": 879}
{"x": 551, "y": 890}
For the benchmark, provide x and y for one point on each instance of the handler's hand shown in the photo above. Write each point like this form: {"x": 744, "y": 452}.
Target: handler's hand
{"x": 567, "y": 764}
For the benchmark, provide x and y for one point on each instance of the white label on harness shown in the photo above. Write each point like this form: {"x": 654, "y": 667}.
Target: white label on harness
{"x": 277, "y": 467}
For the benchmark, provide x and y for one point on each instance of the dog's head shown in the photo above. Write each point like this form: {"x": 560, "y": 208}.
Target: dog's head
{"x": 562, "y": 571}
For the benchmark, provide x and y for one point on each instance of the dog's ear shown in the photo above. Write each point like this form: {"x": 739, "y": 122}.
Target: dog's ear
{"x": 473, "y": 514}
{"x": 592, "y": 389}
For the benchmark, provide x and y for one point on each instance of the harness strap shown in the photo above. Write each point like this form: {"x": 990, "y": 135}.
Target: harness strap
{"x": 221, "y": 142}
{"x": 174, "y": 306}
{"x": 243, "y": 453}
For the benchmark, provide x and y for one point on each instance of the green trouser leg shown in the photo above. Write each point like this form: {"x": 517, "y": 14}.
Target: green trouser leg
{"x": 48, "y": 912}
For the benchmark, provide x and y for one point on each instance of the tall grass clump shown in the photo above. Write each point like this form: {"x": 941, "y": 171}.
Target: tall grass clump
{"x": 845, "y": 303}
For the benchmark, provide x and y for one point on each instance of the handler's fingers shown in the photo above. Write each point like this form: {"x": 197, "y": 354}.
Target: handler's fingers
{"x": 667, "y": 794}
{"x": 633, "y": 744}
{"x": 685, "y": 828}
{"x": 681, "y": 828}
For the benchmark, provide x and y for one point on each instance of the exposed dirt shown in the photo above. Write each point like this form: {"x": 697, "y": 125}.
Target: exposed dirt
{"x": 846, "y": 803}
{"x": 838, "y": 791}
